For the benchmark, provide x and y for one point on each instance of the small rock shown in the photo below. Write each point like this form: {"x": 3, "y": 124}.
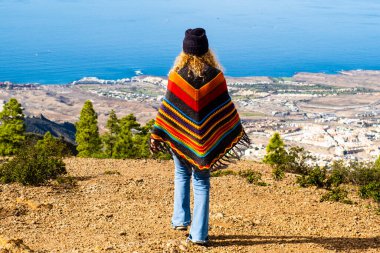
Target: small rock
{"x": 182, "y": 247}
{"x": 48, "y": 206}
{"x": 20, "y": 210}
{"x": 110, "y": 248}
{"x": 217, "y": 216}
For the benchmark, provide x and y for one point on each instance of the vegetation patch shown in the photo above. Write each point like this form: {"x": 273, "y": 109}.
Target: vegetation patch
{"x": 252, "y": 177}
{"x": 111, "y": 172}
{"x": 371, "y": 190}
{"x": 66, "y": 182}
{"x": 278, "y": 173}
{"x": 315, "y": 177}
{"x": 337, "y": 194}
{"x": 35, "y": 163}
{"x": 365, "y": 175}
{"x": 222, "y": 172}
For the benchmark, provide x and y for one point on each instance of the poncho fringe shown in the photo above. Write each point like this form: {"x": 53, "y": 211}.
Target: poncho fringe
{"x": 201, "y": 126}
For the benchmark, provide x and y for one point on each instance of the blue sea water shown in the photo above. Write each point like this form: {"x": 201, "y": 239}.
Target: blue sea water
{"x": 59, "y": 41}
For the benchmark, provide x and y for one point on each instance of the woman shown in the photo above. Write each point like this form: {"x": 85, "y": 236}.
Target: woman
{"x": 198, "y": 123}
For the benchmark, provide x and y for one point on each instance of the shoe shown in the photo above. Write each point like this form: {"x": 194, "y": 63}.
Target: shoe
{"x": 201, "y": 243}
{"x": 180, "y": 228}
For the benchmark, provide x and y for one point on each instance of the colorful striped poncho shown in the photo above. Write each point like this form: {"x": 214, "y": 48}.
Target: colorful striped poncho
{"x": 199, "y": 122}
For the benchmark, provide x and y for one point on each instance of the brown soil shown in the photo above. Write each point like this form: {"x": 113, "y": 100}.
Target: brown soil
{"x": 126, "y": 205}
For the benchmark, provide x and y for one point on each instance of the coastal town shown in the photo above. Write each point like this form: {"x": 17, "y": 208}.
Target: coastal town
{"x": 332, "y": 116}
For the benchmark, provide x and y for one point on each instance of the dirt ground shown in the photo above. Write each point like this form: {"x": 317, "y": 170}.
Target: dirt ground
{"x": 126, "y": 206}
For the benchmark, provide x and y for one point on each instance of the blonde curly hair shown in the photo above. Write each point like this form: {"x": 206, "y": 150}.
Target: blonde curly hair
{"x": 195, "y": 63}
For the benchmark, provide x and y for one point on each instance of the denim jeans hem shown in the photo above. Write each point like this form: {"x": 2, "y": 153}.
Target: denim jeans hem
{"x": 186, "y": 224}
{"x": 198, "y": 241}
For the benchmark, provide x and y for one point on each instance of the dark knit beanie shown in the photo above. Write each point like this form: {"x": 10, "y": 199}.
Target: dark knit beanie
{"x": 195, "y": 42}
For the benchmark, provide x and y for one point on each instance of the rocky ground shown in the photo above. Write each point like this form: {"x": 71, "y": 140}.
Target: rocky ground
{"x": 126, "y": 206}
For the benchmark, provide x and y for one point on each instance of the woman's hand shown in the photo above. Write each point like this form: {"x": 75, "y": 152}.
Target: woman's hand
{"x": 153, "y": 145}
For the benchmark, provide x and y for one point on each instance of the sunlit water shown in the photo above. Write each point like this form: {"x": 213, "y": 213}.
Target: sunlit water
{"x": 59, "y": 41}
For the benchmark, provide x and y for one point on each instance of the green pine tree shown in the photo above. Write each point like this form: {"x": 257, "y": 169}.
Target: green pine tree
{"x": 276, "y": 153}
{"x": 12, "y": 127}
{"x": 109, "y": 138}
{"x": 113, "y": 123}
{"x": 87, "y": 132}
{"x": 141, "y": 140}
{"x": 125, "y": 146}
{"x": 129, "y": 122}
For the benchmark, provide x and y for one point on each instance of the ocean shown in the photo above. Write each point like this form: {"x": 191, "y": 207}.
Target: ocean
{"x": 59, "y": 41}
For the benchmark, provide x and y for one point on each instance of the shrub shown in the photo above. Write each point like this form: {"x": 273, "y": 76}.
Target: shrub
{"x": 363, "y": 173}
{"x": 371, "y": 190}
{"x": 357, "y": 173}
{"x": 162, "y": 156}
{"x": 219, "y": 173}
{"x": 316, "y": 177}
{"x": 99, "y": 155}
{"x": 252, "y": 177}
{"x": 51, "y": 146}
{"x": 294, "y": 160}
{"x": 278, "y": 173}
{"x": 302, "y": 181}
{"x": 66, "y": 182}
{"x": 339, "y": 174}
{"x": 297, "y": 161}
{"x": 111, "y": 172}
{"x": 34, "y": 164}
{"x": 336, "y": 194}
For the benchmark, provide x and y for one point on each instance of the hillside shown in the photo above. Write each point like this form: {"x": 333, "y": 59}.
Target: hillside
{"x": 40, "y": 125}
{"x": 126, "y": 205}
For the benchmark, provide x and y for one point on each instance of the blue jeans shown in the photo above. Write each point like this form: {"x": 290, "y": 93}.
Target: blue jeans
{"x": 201, "y": 188}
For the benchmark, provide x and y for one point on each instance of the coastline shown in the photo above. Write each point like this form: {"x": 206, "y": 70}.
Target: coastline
{"x": 140, "y": 75}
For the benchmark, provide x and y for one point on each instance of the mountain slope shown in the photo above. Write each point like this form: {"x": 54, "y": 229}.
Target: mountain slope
{"x": 40, "y": 125}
